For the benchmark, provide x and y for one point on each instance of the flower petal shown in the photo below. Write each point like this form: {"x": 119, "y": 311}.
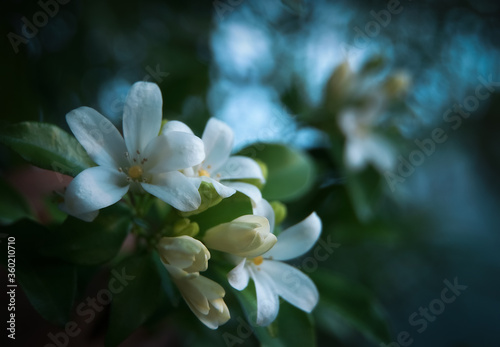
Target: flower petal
{"x": 141, "y": 115}
{"x": 173, "y": 151}
{"x": 297, "y": 239}
{"x": 291, "y": 284}
{"x": 175, "y": 125}
{"x": 175, "y": 189}
{"x": 98, "y": 136}
{"x": 268, "y": 304}
{"x": 238, "y": 167}
{"x": 246, "y": 188}
{"x": 218, "y": 138}
{"x": 239, "y": 276}
{"x": 93, "y": 189}
{"x": 263, "y": 208}
{"x": 222, "y": 189}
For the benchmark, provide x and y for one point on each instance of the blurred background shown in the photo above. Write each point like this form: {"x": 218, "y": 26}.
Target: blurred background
{"x": 276, "y": 71}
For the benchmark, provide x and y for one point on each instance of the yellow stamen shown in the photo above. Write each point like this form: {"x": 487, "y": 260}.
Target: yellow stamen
{"x": 203, "y": 173}
{"x": 258, "y": 260}
{"x": 135, "y": 171}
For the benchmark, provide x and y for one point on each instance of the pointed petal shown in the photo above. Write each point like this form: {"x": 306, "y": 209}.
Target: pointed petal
{"x": 237, "y": 167}
{"x": 246, "y": 188}
{"x": 239, "y": 276}
{"x": 173, "y": 151}
{"x": 142, "y": 115}
{"x": 222, "y": 189}
{"x": 263, "y": 208}
{"x": 297, "y": 239}
{"x": 268, "y": 304}
{"x": 218, "y": 138}
{"x": 98, "y": 136}
{"x": 291, "y": 284}
{"x": 93, "y": 189}
{"x": 175, "y": 189}
{"x": 175, "y": 125}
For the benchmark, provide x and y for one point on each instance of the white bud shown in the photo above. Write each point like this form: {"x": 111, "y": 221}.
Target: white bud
{"x": 203, "y": 296}
{"x": 246, "y": 236}
{"x": 184, "y": 252}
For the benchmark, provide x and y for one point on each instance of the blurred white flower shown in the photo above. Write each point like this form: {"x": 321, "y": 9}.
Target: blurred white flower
{"x": 273, "y": 278}
{"x": 203, "y": 296}
{"x": 246, "y": 236}
{"x": 140, "y": 158}
{"x": 184, "y": 252}
{"x": 220, "y": 168}
{"x": 363, "y": 144}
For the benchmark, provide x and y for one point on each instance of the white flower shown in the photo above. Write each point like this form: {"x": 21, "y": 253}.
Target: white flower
{"x": 274, "y": 279}
{"x": 184, "y": 252}
{"x": 140, "y": 158}
{"x": 246, "y": 236}
{"x": 219, "y": 168}
{"x": 363, "y": 144}
{"x": 203, "y": 296}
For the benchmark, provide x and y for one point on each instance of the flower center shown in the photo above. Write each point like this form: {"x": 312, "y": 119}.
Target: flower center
{"x": 258, "y": 260}
{"x": 135, "y": 172}
{"x": 202, "y": 172}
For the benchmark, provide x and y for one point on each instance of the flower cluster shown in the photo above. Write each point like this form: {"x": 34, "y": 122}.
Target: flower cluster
{"x": 171, "y": 163}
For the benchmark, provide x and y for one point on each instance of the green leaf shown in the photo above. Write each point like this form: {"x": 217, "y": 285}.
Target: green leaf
{"x": 84, "y": 243}
{"x": 292, "y": 327}
{"x": 228, "y": 209}
{"x": 46, "y": 146}
{"x": 248, "y": 302}
{"x": 364, "y": 189}
{"x": 166, "y": 282}
{"x": 295, "y": 327}
{"x": 13, "y": 206}
{"x": 353, "y": 303}
{"x": 291, "y": 173}
{"x": 137, "y": 301}
{"x": 49, "y": 284}
{"x": 50, "y": 287}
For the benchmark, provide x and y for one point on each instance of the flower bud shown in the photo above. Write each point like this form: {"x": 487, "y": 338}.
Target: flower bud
{"x": 185, "y": 227}
{"x": 279, "y": 210}
{"x": 203, "y": 296}
{"x": 209, "y": 198}
{"x": 246, "y": 236}
{"x": 398, "y": 84}
{"x": 184, "y": 252}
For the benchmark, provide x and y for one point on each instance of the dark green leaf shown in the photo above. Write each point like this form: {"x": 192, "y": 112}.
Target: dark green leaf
{"x": 137, "y": 301}
{"x": 291, "y": 173}
{"x": 84, "y": 243}
{"x": 364, "y": 189}
{"x": 293, "y": 327}
{"x": 50, "y": 287}
{"x": 248, "y": 302}
{"x": 353, "y": 303}
{"x": 228, "y": 209}
{"x": 46, "y": 146}
{"x": 13, "y": 207}
{"x": 49, "y": 284}
{"x": 166, "y": 282}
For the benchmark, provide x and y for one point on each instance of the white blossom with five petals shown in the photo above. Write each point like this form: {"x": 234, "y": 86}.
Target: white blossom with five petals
{"x": 274, "y": 278}
{"x": 220, "y": 168}
{"x": 139, "y": 158}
